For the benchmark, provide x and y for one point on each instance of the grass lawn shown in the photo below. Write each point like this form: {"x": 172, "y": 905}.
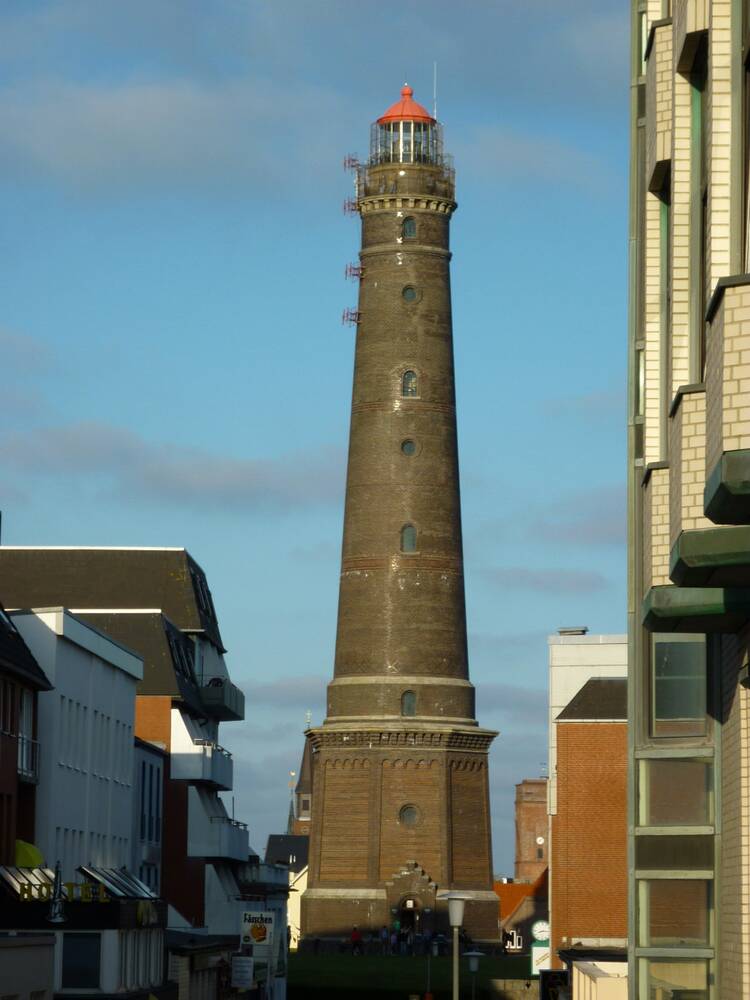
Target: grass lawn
{"x": 334, "y": 976}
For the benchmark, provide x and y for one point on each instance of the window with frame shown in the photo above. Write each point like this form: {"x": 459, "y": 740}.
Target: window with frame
{"x": 408, "y": 703}
{"x": 678, "y": 685}
{"x": 409, "y": 228}
{"x": 408, "y": 538}
{"x": 409, "y": 385}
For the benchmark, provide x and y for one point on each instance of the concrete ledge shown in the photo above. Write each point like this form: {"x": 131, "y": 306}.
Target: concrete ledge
{"x": 726, "y": 498}
{"x": 695, "y": 609}
{"x": 712, "y": 557}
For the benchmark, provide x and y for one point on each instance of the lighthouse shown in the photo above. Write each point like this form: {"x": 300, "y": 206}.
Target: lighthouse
{"x": 400, "y": 803}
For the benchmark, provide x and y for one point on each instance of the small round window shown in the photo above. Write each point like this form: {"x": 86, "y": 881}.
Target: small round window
{"x": 408, "y": 447}
{"x": 408, "y": 816}
{"x": 410, "y": 294}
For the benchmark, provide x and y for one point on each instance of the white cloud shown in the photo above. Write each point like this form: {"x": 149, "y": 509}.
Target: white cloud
{"x": 132, "y": 468}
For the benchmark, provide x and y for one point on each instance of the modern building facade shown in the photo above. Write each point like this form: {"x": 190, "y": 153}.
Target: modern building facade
{"x": 400, "y": 805}
{"x": 689, "y": 507}
{"x": 84, "y": 802}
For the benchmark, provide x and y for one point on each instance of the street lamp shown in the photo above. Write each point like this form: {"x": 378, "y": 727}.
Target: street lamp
{"x": 455, "y": 902}
{"x": 473, "y": 957}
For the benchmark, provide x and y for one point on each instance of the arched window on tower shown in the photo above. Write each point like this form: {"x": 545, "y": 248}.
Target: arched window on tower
{"x": 409, "y": 228}
{"x": 408, "y": 538}
{"x": 408, "y": 703}
{"x": 409, "y": 384}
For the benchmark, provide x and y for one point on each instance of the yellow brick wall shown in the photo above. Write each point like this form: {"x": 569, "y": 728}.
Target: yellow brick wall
{"x": 663, "y": 97}
{"x": 652, "y": 324}
{"x": 687, "y": 450}
{"x": 720, "y": 124}
{"x": 656, "y": 529}
{"x": 736, "y": 389}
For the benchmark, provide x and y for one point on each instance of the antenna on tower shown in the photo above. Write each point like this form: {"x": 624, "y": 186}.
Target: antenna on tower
{"x": 434, "y": 90}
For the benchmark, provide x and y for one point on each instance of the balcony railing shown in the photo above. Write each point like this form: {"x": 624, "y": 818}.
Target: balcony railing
{"x": 222, "y": 699}
{"x": 28, "y": 759}
{"x": 206, "y": 762}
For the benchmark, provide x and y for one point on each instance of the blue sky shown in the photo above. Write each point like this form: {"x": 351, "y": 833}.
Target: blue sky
{"x": 174, "y": 367}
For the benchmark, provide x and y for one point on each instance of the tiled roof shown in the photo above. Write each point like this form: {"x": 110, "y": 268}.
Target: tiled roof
{"x": 600, "y": 698}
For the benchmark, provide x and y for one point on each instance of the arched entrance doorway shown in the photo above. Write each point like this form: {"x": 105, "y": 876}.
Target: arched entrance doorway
{"x": 410, "y": 918}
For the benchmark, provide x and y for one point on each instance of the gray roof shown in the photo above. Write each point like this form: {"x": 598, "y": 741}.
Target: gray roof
{"x": 169, "y": 580}
{"x": 16, "y": 657}
{"x": 601, "y": 698}
{"x": 281, "y": 847}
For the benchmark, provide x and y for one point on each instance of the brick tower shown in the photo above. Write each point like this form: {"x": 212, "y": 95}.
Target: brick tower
{"x": 401, "y": 802}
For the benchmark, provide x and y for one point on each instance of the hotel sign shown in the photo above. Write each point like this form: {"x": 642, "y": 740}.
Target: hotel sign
{"x": 77, "y": 892}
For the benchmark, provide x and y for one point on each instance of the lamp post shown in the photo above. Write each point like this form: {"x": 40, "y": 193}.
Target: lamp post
{"x": 428, "y": 941}
{"x": 455, "y": 902}
{"x": 473, "y": 957}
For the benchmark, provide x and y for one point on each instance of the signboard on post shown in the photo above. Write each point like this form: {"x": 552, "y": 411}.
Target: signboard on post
{"x": 242, "y": 971}
{"x": 257, "y": 929}
{"x": 540, "y": 957}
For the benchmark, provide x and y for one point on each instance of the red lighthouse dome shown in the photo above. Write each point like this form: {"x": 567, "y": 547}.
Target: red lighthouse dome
{"x": 406, "y": 108}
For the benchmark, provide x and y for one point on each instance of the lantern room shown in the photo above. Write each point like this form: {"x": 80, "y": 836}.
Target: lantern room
{"x": 406, "y": 133}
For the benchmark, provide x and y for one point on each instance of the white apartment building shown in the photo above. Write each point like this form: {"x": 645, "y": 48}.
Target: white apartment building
{"x": 84, "y": 804}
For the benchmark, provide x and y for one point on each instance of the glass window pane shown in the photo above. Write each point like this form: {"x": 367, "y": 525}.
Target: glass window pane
{"x": 409, "y": 229}
{"x": 408, "y": 703}
{"x": 690, "y": 852}
{"x": 674, "y": 912}
{"x": 678, "y": 685}
{"x": 673, "y": 979}
{"x": 408, "y": 538}
{"x": 409, "y": 384}
{"x": 80, "y": 961}
{"x": 675, "y": 792}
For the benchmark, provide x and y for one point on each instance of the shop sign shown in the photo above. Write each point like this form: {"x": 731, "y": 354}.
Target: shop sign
{"x": 79, "y": 892}
{"x": 257, "y": 927}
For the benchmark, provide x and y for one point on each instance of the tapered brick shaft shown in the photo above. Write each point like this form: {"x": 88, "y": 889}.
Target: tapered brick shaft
{"x": 400, "y": 791}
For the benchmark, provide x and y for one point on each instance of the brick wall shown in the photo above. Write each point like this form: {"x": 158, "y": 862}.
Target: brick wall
{"x": 470, "y": 823}
{"x": 418, "y": 783}
{"x": 687, "y": 451}
{"x": 153, "y": 719}
{"x": 346, "y": 821}
{"x": 531, "y": 824}
{"x": 588, "y": 868}
{"x": 656, "y": 529}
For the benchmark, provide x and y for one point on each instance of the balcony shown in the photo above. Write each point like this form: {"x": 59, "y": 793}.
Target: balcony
{"x": 205, "y": 762}
{"x": 222, "y": 700}
{"x": 211, "y": 834}
{"x": 28, "y": 759}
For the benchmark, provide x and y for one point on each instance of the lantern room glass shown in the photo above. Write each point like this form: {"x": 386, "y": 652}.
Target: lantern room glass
{"x": 406, "y": 142}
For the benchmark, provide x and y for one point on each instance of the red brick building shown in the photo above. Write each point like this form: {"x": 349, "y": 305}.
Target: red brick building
{"x": 531, "y": 829}
{"x": 588, "y": 871}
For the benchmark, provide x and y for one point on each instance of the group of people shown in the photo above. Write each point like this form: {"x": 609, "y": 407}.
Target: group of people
{"x": 396, "y": 940}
